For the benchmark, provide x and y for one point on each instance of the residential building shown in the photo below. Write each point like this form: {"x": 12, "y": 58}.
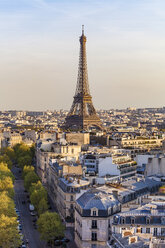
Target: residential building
{"x": 155, "y": 166}
{"x": 69, "y": 188}
{"x": 93, "y": 213}
{"x": 146, "y": 221}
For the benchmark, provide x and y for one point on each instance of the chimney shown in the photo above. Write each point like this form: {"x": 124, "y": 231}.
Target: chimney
{"x": 115, "y": 193}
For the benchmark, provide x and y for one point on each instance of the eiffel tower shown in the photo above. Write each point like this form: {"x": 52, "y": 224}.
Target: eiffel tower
{"x": 82, "y": 114}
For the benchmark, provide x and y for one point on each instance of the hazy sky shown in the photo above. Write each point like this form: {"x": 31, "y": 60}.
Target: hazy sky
{"x": 39, "y": 52}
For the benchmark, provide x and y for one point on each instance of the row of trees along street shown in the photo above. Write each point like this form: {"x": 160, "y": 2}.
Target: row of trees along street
{"x": 9, "y": 234}
{"x": 49, "y": 223}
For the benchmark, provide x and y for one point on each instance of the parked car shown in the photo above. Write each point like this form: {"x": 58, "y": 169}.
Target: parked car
{"x": 65, "y": 240}
{"x": 27, "y": 241}
{"x": 19, "y": 226}
{"x": 57, "y": 242}
{"x": 33, "y": 214}
{"x": 31, "y": 207}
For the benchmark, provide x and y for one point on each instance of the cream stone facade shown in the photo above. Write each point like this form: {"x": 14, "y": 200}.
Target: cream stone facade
{"x": 68, "y": 190}
{"x": 93, "y": 217}
{"x": 56, "y": 170}
{"x": 141, "y": 142}
{"x": 155, "y": 166}
{"x": 69, "y": 151}
{"x": 78, "y": 138}
{"x": 11, "y": 138}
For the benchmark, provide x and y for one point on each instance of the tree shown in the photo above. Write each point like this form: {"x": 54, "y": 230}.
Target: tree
{"x": 37, "y": 195}
{"x": 21, "y": 150}
{"x": 4, "y": 171}
{"x": 30, "y": 178}
{"x": 9, "y": 235}
{"x": 6, "y": 205}
{"x": 42, "y": 206}
{"x": 27, "y": 169}
{"x": 50, "y": 226}
{"x": 24, "y": 160}
{"x": 35, "y": 186}
{"x": 32, "y": 150}
{"x": 9, "y": 152}
{"x": 6, "y": 159}
{"x": 6, "y": 184}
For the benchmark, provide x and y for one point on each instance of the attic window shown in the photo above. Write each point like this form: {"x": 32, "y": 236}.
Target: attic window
{"x": 132, "y": 220}
{"x": 123, "y": 220}
{"x": 148, "y": 221}
{"x": 94, "y": 212}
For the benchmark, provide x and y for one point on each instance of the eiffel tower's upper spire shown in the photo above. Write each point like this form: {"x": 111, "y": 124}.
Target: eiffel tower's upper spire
{"x": 82, "y": 29}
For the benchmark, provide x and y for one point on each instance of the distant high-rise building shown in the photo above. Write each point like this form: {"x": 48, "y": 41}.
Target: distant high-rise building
{"x": 82, "y": 114}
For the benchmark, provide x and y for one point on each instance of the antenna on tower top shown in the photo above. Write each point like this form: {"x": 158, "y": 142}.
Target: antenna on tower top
{"x": 82, "y": 29}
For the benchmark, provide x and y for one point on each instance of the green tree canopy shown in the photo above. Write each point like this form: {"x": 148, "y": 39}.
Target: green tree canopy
{"x": 27, "y": 169}
{"x": 35, "y": 186}
{"x": 5, "y": 159}
{"x": 4, "y": 171}
{"x": 42, "y": 206}
{"x": 6, "y": 205}
{"x": 9, "y": 235}
{"x": 50, "y": 226}
{"x": 30, "y": 178}
{"x": 6, "y": 184}
{"x": 9, "y": 152}
{"x": 24, "y": 160}
{"x": 37, "y": 195}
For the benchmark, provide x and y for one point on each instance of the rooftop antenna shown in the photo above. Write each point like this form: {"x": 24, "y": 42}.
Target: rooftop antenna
{"x": 82, "y": 29}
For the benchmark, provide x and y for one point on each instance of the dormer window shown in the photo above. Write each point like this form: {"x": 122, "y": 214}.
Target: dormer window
{"x": 109, "y": 211}
{"x": 94, "y": 212}
{"x": 132, "y": 220}
{"x": 147, "y": 220}
{"x": 122, "y": 220}
{"x": 163, "y": 220}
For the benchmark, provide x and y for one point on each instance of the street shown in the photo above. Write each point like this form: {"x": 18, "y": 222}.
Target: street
{"x": 26, "y": 220}
{"x": 28, "y": 230}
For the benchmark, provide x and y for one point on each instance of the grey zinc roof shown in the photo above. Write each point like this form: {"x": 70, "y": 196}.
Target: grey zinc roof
{"x": 91, "y": 199}
{"x": 148, "y": 183}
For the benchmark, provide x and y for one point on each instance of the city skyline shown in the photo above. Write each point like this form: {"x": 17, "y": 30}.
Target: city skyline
{"x": 39, "y": 53}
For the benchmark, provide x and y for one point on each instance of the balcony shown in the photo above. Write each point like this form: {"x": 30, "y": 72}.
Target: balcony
{"x": 93, "y": 227}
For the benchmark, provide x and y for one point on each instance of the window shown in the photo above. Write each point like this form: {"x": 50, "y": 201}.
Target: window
{"x": 123, "y": 220}
{"x": 94, "y": 236}
{"x": 147, "y": 221}
{"x": 155, "y": 231}
{"x": 147, "y": 230}
{"x": 132, "y": 221}
{"x": 94, "y": 213}
{"x": 94, "y": 223}
{"x": 163, "y": 231}
{"x": 71, "y": 197}
{"x": 71, "y": 206}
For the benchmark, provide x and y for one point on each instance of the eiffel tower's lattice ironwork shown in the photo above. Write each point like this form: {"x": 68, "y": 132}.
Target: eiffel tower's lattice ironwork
{"x": 82, "y": 114}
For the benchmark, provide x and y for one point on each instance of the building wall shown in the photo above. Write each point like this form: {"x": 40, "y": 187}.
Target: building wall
{"x": 79, "y": 138}
{"x": 43, "y": 164}
{"x": 83, "y": 231}
{"x": 142, "y": 159}
{"x": 106, "y": 166}
{"x": 153, "y": 142}
{"x": 155, "y": 166}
